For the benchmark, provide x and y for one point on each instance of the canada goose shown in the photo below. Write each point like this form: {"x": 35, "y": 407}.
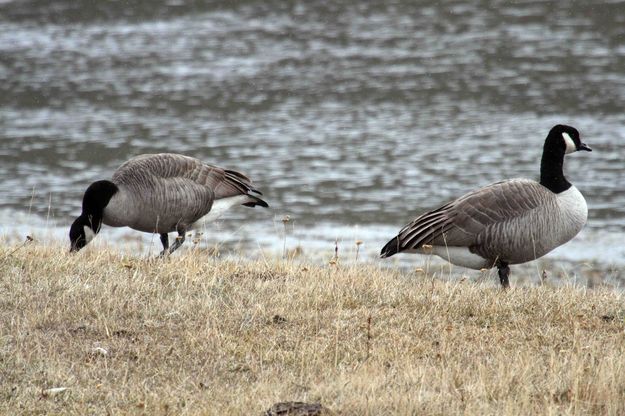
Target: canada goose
{"x": 507, "y": 222}
{"x": 161, "y": 193}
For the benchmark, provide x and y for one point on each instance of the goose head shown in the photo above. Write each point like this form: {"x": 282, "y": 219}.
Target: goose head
{"x": 561, "y": 140}
{"x": 87, "y": 225}
{"x": 82, "y": 231}
{"x": 566, "y": 138}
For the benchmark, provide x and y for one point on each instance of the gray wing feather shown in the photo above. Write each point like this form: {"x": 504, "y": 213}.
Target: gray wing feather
{"x": 145, "y": 169}
{"x": 479, "y": 219}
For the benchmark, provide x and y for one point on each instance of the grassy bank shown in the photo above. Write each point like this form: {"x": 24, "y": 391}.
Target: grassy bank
{"x": 199, "y": 335}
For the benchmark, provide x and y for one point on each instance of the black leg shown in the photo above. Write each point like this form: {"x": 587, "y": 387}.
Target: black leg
{"x": 504, "y": 271}
{"x": 165, "y": 242}
{"x": 179, "y": 241}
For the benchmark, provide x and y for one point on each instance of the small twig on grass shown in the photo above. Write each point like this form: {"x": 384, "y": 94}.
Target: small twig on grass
{"x": 28, "y": 240}
{"x": 285, "y": 221}
{"x": 45, "y": 393}
{"x": 368, "y": 337}
{"x": 335, "y": 259}
{"x": 358, "y": 243}
{"x": 49, "y": 210}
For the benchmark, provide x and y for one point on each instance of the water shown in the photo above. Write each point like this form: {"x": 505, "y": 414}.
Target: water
{"x": 352, "y": 117}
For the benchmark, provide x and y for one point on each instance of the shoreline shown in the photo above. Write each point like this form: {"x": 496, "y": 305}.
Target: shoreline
{"x": 545, "y": 271}
{"x": 550, "y": 270}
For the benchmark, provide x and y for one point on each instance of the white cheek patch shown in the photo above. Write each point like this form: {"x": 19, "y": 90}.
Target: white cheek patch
{"x": 570, "y": 144}
{"x": 89, "y": 234}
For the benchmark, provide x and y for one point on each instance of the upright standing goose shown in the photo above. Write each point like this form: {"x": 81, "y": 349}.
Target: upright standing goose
{"x": 507, "y": 222}
{"x": 161, "y": 193}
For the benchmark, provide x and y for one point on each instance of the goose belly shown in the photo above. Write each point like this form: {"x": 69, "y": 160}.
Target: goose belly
{"x": 147, "y": 220}
{"x": 461, "y": 256}
{"x": 151, "y": 215}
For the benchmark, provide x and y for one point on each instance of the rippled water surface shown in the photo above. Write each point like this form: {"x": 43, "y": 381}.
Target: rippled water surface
{"x": 352, "y": 117}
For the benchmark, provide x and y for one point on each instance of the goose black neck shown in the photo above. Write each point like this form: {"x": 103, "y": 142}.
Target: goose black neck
{"x": 551, "y": 166}
{"x": 96, "y": 198}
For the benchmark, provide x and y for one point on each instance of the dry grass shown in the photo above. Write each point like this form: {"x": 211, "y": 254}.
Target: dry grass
{"x": 198, "y": 335}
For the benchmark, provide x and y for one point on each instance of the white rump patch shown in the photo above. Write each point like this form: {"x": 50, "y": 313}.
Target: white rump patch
{"x": 89, "y": 234}
{"x": 222, "y": 205}
{"x": 570, "y": 144}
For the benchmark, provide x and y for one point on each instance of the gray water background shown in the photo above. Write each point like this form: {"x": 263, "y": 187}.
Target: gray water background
{"x": 351, "y": 117}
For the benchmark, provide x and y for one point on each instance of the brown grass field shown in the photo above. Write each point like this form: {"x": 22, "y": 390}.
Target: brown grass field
{"x": 195, "y": 334}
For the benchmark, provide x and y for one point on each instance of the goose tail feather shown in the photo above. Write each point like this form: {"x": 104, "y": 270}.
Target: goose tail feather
{"x": 255, "y": 201}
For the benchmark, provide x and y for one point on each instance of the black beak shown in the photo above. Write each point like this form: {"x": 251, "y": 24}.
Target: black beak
{"x": 584, "y": 146}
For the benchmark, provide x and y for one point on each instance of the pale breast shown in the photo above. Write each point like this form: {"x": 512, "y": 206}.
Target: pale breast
{"x": 574, "y": 212}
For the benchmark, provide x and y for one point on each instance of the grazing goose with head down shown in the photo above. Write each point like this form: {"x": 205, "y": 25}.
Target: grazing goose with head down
{"x": 507, "y": 222}
{"x": 161, "y": 193}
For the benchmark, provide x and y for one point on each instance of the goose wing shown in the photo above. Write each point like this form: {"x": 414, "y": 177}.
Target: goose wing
{"x": 178, "y": 170}
{"x": 465, "y": 221}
